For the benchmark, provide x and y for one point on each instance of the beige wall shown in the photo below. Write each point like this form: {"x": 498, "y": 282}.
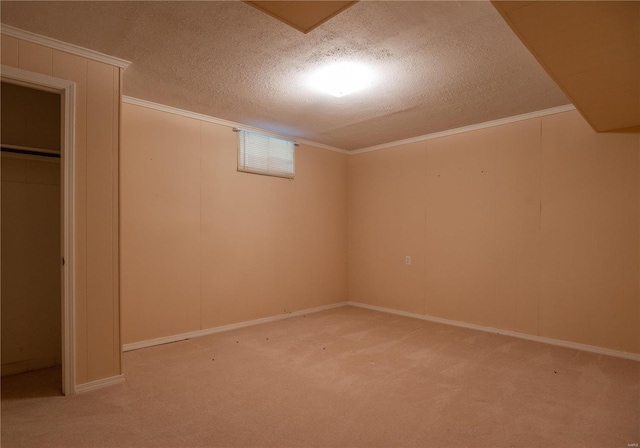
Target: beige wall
{"x": 96, "y": 254}
{"x": 589, "y": 225}
{"x": 530, "y": 227}
{"x": 204, "y": 245}
{"x": 31, "y": 337}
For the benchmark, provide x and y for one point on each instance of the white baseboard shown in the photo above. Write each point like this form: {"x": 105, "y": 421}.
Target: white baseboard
{"x": 207, "y": 331}
{"x": 99, "y": 384}
{"x": 530, "y": 337}
{"x": 551, "y": 341}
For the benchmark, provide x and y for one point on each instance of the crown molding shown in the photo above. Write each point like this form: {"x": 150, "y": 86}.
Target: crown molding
{"x": 473, "y": 127}
{"x": 322, "y": 146}
{"x": 28, "y": 36}
{"x": 232, "y": 124}
{"x": 220, "y": 121}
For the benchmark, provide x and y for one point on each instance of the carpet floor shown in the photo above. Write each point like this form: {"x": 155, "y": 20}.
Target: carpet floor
{"x": 345, "y": 377}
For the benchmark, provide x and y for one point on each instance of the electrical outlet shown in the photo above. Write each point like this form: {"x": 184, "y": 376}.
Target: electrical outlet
{"x": 407, "y": 260}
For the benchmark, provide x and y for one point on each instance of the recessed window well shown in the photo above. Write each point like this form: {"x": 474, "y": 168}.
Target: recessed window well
{"x": 340, "y": 79}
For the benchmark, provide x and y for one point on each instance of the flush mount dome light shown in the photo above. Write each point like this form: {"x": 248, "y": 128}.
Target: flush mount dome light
{"x": 341, "y": 79}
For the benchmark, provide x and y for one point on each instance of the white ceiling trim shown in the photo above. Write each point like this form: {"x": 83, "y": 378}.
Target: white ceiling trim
{"x": 232, "y": 124}
{"x": 473, "y": 127}
{"x": 300, "y": 140}
{"x": 220, "y": 121}
{"x": 62, "y": 46}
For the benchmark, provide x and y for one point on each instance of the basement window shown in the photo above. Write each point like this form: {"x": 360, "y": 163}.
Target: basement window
{"x": 261, "y": 154}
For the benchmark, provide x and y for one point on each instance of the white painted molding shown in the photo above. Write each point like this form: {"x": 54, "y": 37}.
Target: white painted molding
{"x": 62, "y": 46}
{"x": 220, "y": 121}
{"x": 473, "y": 127}
{"x": 207, "y": 331}
{"x": 99, "y": 384}
{"x": 28, "y": 79}
{"x": 68, "y": 157}
{"x": 231, "y": 124}
{"x": 322, "y": 146}
{"x": 529, "y": 337}
{"x": 515, "y": 334}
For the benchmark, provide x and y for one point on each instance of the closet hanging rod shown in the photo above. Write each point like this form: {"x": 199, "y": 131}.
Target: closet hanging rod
{"x": 15, "y": 149}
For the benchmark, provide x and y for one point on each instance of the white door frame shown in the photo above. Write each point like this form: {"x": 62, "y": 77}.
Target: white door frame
{"x": 67, "y": 90}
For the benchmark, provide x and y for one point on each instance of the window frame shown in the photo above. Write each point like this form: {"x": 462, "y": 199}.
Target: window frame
{"x": 245, "y": 166}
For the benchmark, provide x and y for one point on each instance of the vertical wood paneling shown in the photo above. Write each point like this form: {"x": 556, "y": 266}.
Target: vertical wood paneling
{"x": 35, "y": 58}
{"x": 204, "y": 245}
{"x": 319, "y": 222}
{"x": 249, "y": 248}
{"x": 530, "y": 226}
{"x": 482, "y": 217}
{"x": 100, "y": 318}
{"x": 9, "y": 51}
{"x": 160, "y": 224}
{"x": 96, "y": 200}
{"x": 589, "y": 234}
{"x": 74, "y": 68}
{"x": 387, "y": 198}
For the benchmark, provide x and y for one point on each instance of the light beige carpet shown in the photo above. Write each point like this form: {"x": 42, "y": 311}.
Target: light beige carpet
{"x": 346, "y": 377}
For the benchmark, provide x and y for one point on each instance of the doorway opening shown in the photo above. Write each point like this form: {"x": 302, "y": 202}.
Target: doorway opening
{"x": 31, "y": 220}
{"x": 36, "y": 171}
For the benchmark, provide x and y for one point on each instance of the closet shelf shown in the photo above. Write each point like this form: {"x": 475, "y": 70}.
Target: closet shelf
{"x": 15, "y": 149}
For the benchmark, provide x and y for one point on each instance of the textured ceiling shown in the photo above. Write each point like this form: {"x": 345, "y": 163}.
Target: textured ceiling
{"x": 440, "y": 65}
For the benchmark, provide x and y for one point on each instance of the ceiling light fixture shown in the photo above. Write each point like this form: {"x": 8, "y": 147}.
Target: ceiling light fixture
{"x": 340, "y": 79}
